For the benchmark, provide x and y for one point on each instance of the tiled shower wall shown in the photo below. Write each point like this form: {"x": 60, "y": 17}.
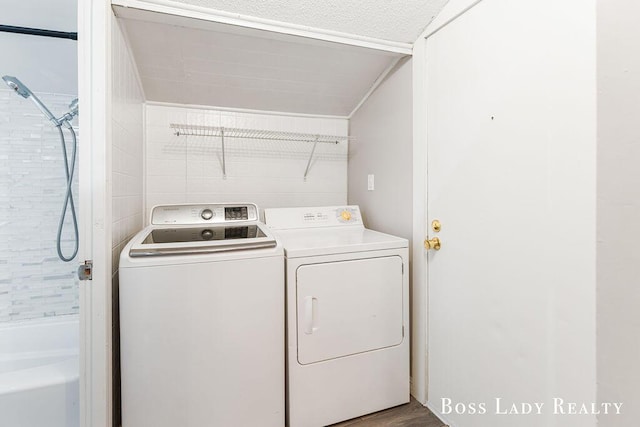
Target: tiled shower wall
{"x": 188, "y": 169}
{"x": 34, "y": 283}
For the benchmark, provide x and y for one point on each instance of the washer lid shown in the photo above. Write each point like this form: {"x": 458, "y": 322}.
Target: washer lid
{"x": 184, "y": 240}
{"x": 328, "y": 241}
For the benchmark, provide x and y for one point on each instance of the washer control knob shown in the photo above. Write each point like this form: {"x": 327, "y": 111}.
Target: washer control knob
{"x": 207, "y": 214}
{"x": 346, "y": 215}
{"x": 206, "y": 234}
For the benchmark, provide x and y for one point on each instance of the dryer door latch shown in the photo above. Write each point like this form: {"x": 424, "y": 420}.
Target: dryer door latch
{"x": 85, "y": 270}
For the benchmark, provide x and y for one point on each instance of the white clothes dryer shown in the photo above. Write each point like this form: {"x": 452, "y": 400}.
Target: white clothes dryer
{"x": 201, "y": 320}
{"x": 347, "y": 315}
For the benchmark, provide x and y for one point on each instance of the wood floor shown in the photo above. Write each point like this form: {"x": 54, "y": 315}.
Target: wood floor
{"x": 413, "y": 414}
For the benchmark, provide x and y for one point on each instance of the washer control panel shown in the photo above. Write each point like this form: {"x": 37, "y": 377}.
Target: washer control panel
{"x": 210, "y": 213}
{"x": 327, "y": 216}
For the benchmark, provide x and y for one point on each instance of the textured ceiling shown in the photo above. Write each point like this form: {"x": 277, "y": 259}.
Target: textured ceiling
{"x": 189, "y": 61}
{"x": 394, "y": 20}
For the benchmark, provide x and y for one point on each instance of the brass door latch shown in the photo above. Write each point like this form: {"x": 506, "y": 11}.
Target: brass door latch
{"x": 433, "y": 243}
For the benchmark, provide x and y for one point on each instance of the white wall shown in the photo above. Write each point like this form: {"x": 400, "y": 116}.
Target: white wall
{"x": 382, "y": 146}
{"x": 382, "y": 132}
{"x": 618, "y": 266}
{"x": 44, "y": 64}
{"x": 269, "y": 173}
{"x": 127, "y": 175}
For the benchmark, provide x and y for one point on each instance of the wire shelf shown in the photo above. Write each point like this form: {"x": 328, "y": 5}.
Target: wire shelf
{"x": 222, "y": 133}
{"x": 215, "y": 131}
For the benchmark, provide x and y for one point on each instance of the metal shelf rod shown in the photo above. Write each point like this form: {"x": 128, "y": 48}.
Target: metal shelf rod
{"x": 313, "y": 150}
{"x": 222, "y": 133}
{"x": 38, "y": 32}
{"x": 224, "y": 165}
{"x": 214, "y": 131}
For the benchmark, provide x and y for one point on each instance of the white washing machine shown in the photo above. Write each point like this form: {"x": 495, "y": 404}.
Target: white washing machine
{"x": 347, "y": 315}
{"x": 201, "y": 320}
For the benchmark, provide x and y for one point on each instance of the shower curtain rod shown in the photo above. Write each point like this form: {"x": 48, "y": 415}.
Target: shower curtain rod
{"x": 38, "y": 32}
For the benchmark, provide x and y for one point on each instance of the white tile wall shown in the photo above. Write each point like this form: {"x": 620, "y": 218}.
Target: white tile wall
{"x": 127, "y": 174}
{"x": 127, "y": 165}
{"x": 127, "y": 149}
{"x": 34, "y": 283}
{"x": 185, "y": 169}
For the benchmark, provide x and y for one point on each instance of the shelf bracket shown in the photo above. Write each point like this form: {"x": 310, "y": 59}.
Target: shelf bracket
{"x": 224, "y": 166}
{"x": 313, "y": 150}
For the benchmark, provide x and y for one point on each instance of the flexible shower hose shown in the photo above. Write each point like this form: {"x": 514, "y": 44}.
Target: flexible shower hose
{"x": 68, "y": 198}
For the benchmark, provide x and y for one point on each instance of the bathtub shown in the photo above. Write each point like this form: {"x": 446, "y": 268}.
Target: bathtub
{"x": 39, "y": 373}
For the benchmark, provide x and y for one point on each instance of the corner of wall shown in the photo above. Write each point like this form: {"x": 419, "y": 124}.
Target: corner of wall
{"x": 384, "y": 146}
{"x": 127, "y": 176}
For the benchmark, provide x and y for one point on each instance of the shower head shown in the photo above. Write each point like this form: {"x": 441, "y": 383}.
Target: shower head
{"x": 17, "y": 86}
{"x": 22, "y": 90}
{"x": 73, "y": 107}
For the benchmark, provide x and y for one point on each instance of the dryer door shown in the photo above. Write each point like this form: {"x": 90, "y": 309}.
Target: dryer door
{"x": 348, "y": 307}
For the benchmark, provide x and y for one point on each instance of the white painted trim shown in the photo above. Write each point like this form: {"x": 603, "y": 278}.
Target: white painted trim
{"x": 243, "y": 110}
{"x": 84, "y": 215}
{"x": 375, "y": 84}
{"x": 94, "y": 89}
{"x": 144, "y": 164}
{"x": 450, "y": 20}
{"x": 212, "y": 15}
{"x": 419, "y": 353}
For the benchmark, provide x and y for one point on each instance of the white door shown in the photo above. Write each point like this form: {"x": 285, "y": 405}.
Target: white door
{"x": 511, "y": 178}
{"x": 348, "y": 307}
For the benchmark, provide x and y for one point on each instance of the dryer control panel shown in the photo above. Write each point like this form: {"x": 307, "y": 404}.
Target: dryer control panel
{"x": 314, "y": 217}
{"x": 205, "y": 213}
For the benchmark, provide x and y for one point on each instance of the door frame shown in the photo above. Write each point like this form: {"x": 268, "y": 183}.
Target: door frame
{"x": 94, "y": 81}
{"x": 94, "y": 88}
{"x": 419, "y": 348}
